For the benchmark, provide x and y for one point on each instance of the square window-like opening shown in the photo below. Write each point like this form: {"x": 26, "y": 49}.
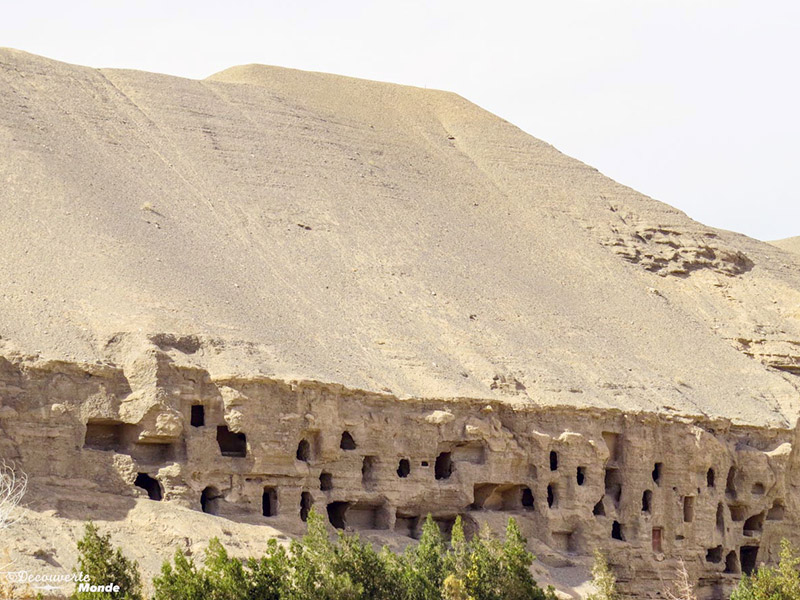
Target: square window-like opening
{"x": 198, "y": 418}
{"x": 231, "y": 443}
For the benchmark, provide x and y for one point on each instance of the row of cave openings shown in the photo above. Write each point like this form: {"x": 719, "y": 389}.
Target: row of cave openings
{"x": 343, "y": 514}
{"x": 486, "y": 495}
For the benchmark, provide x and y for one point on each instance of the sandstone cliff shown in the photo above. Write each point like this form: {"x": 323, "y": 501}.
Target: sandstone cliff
{"x": 271, "y": 290}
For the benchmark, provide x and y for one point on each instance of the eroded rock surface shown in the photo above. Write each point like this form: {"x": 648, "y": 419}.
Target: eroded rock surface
{"x": 646, "y": 489}
{"x": 272, "y": 290}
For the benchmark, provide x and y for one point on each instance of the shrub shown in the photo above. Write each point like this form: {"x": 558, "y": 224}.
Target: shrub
{"x": 182, "y": 581}
{"x": 603, "y": 579}
{"x": 104, "y": 565}
{"x": 13, "y": 484}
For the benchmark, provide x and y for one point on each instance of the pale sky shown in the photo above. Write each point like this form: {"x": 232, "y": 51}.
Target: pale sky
{"x": 692, "y": 102}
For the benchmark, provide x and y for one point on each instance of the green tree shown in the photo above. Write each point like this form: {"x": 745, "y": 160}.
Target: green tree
{"x": 181, "y": 582}
{"x": 517, "y": 581}
{"x": 424, "y": 564}
{"x": 227, "y": 577}
{"x": 268, "y": 574}
{"x": 603, "y": 579}
{"x": 773, "y": 583}
{"x": 374, "y": 575}
{"x": 457, "y": 560}
{"x": 312, "y": 561}
{"x": 454, "y": 589}
{"x": 484, "y": 577}
{"x": 104, "y": 565}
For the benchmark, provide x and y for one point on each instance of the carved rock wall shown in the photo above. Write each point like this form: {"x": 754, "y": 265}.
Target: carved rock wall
{"x": 646, "y": 489}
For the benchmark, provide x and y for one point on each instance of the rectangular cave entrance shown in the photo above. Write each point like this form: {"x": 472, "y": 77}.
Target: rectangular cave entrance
{"x": 747, "y": 558}
{"x": 613, "y": 485}
{"x": 231, "y": 443}
{"x": 367, "y": 516}
{"x": 104, "y": 435}
{"x": 614, "y": 447}
{"x": 657, "y": 538}
{"x": 565, "y": 541}
{"x": 198, "y": 415}
{"x": 492, "y": 496}
{"x": 407, "y": 524}
{"x": 269, "y": 502}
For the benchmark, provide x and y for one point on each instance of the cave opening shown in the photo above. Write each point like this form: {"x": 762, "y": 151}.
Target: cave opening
{"x": 198, "y": 415}
{"x": 347, "y": 442}
{"x": 337, "y": 512}
{"x": 527, "y": 498}
{"x": 657, "y": 468}
{"x": 231, "y": 443}
{"x": 368, "y": 470}
{"x": 580, "y": 475}
{"x": 688, "y": 509}
{"x": 150, "y": 485}
{"x": 269, "y": 502}
{"x": 404, "y": 468}
{"x": 325, "y": 481}
{"x": 306, "y": 501}
{"x": 776, "y": 513}
{"x": 553, "y": 460}
{"x": 730, "y": 483}
{"x": 616, "y": 531}
{"x": 657, "y": 536}
{"x": 710, "y": 476}
{"x": 552, "y": 496}
{"x": 444, "y": 466}
{"x": 599, "y": 509}
{"x": 210, "y": 500}
{"x": 747, "y": 558}
{"x": 614, "y": 447}
{"x": 613, "y": 484}
{"x": 647, "y": 501}
{"x": 753, "y": 526}
{"x": 303, "y": 450}
{"x": 731, "y": 562}
{"x": 104, "y": 435}
{"x": 714, "y": 555}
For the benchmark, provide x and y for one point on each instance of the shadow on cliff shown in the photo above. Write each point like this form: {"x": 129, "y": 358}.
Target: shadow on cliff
{"x": 78, "y": 504}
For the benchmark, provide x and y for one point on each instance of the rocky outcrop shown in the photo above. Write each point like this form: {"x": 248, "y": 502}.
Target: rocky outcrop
{"x": 670, "y": 252}
{"x": 646, "y": 489}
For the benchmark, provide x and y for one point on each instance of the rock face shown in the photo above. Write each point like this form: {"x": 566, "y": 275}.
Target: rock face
{"x": 271, "y": 290}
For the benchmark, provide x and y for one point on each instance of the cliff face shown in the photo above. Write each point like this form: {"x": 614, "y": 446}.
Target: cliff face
{"x": 647, "y": 489}
{"x": 271, "y": 290}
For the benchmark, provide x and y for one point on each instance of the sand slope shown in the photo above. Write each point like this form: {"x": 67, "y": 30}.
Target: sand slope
{"x": 791, "y": 244}
{"x": 379, "y": 236}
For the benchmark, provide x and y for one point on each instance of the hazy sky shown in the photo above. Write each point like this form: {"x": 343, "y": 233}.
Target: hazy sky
{"x": 692, "y": 102}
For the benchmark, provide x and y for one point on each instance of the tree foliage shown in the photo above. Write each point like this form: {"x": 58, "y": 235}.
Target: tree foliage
{"x": 345, "y": 568}
{"x": 104, "y": 565}
{"x": 603, "y": 579}
{"x": 773, "y": 583}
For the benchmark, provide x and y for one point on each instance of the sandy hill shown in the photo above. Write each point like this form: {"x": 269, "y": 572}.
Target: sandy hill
{"x": 382, "y": 237}
{"x": 791, "y": 244}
